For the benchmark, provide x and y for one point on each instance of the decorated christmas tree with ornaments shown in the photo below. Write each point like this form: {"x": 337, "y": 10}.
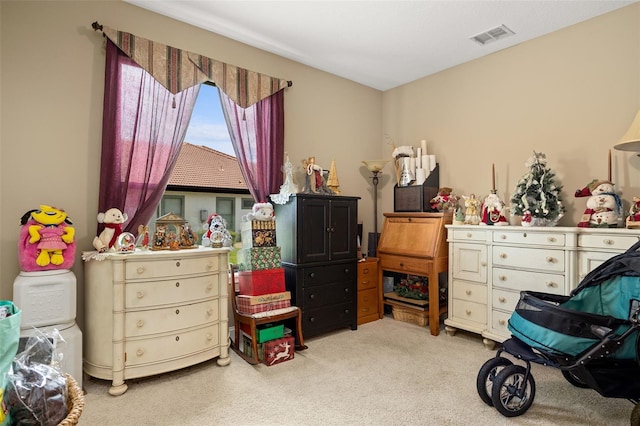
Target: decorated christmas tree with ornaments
{"x": 537, "y": 196}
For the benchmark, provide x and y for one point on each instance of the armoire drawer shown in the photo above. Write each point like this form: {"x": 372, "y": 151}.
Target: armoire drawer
{"x": 141, "y": 323}
{"x": 321, "y": 275}
{"x": 327, "y": 294}
{"x": 170, "y": 292}
{"x": 403, "y": 263}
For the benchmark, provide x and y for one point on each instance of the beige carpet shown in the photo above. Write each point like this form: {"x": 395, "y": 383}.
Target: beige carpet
{"x": 385, "y": 373}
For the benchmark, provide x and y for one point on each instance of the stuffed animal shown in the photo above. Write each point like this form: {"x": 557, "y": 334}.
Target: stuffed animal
{"x": 46, "y": 240}
{"x": 260, "y": 211}
{"x": 217, "y": 235}
{"x": 444, "y": 201}
{"x": 633, "y": 220}
{"x": 493, "y": 210}
{"x": 604, "y": 207}
{"x": 112, "y": 220}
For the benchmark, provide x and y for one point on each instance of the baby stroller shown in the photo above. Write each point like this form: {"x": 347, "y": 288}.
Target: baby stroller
{"x": 591, "y": 336}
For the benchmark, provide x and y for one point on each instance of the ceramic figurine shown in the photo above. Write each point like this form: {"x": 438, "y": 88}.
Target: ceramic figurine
{"x": 604, "y": 207}
{"x": 493, "y": 210}
{"x": 472, "y": 210}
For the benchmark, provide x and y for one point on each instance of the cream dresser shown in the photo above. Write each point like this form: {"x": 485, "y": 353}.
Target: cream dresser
{"x": 151, "y": 312}
{"x": 490, "y": 265}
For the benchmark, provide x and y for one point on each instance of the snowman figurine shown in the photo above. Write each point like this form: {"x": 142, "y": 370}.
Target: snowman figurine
{"x": 604, "y": 208}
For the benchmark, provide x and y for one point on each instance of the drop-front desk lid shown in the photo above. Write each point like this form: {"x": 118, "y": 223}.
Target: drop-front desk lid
{"x": 415, "y": 234}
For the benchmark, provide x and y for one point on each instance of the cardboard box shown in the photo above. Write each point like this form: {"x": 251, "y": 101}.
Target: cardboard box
{"x": 259, "y": 233}
{"x": 279, "y": 350}
{"x": 244, "y": 307}
{"x": 258, "y": 283}
{"x": 259, "y": 258}
{"x": 267, "y": 298}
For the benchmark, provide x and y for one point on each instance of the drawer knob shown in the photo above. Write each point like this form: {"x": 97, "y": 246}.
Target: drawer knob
{"x": 551, "y": 259}
{"x": 469, "y": 235}
{"x": 177, "y": 263}
{"x": 365, "y": 281}
{"x": 312, "y": 275}
{"x": 483, "y": 263}
{"x": 503, "y": 255}
{"x": 140, "y": 269}
{"x": 140, "y": 352}
{"x": 177, "y": 338}
{"x": 210, "y": 265}
{"x": 551, "y": 239}
{"x": 346, "y": 289}
{"x": 504, "y": 237}
{"x": 365, "y": 271}
{"x": 401, "y": 265}
{"x": 209, "y": 336}
{"x": 346, "y": 311}
{"x": 177, "y": 283}
{"x": 209, "y": 312}
{"x": 140, "y": 323}
{"x": 177, "y": 311}
{"x": 502, "y": 299}
{"x": 365, "y": 309}
{"x": 468, "y": 312}
{"x": 209, "y": 286}
{"x": 312, "y": 319}
{"x": 346, "y": 270}
{"x": 468, "y": 292}
{"x": 312, "y": 296}
{"x": 140, "y": 294}
{"x": 502, "y": 278}
{"x": 551, "y": 284}
{"x": 608, "y": 242}
{"x": 502, "y": 322}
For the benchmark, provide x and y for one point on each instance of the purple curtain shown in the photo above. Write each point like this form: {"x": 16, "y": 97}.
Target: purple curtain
{"x": 142, "y": 133}
{"x": 257, "y": 135}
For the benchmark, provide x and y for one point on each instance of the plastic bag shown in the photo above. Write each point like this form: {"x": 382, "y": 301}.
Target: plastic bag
{"x": 36, "y": 392}
{"x": 10, "y": 317}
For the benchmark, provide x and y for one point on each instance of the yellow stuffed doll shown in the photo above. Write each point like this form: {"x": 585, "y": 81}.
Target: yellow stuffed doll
{"x": 51, "y": 233}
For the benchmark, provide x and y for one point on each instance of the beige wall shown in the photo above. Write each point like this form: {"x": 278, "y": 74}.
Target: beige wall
{"x": 51, "y": 102}
{"x": 571, "y": 94}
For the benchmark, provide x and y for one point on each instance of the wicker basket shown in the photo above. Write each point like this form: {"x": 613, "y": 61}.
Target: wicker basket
{"x": 76, "y": 402}
{"x": 415, "y": 316}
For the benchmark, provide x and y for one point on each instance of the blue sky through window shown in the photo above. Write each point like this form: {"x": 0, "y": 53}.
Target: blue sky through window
{"x": 207, "y": 126}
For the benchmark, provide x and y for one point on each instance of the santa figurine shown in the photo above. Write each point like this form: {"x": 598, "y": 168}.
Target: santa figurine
{"x": 604, "y": 208}
{"x": 493, "y": 210}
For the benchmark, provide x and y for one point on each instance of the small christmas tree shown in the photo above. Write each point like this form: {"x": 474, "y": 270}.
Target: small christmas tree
{"x": 537, "y": 195}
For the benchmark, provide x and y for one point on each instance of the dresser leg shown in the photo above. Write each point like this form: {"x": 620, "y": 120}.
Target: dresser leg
{"x": 450, "y": 330}
{"x": 489, "y": 344}
{"x": 116, "y": 390}
{"x": 223, "y": 361}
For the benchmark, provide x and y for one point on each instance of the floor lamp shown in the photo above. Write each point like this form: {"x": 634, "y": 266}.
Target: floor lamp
{"x": 375, "y": 167}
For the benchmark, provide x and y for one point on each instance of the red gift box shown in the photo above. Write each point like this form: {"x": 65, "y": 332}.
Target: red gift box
{"x": 257, "y": 283}
{"x": 244, "y": 305}
{"x": 278, "y": 350}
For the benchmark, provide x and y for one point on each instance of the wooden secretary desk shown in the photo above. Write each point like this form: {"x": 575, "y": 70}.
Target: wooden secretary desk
{"x": 416, "y": 244}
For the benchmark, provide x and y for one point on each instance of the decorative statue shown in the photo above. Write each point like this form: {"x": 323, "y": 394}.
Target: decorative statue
{"x": 472, "y": 210}
{"x": 604, "y": 207}
{"x": 315, "y": 182}
{"x": 633, "y": 221}
{"x": 493, "y": 211}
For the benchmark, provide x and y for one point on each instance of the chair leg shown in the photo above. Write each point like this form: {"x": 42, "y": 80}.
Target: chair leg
{"x": 254, "y": 342}
{"x": 301, "y": 346}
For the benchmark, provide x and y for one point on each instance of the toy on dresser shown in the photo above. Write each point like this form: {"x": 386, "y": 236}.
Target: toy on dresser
{"x": 493, "y": 210}
{"x": 112, "y": 220}
{"x": 604, "y": 208}
{"x": 217, "y": 235}
{"x": 633, "y": 220}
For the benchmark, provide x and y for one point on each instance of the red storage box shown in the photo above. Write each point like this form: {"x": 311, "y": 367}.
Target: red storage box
{"x": 278, "y": 350}
{"x": 257, "y": 283}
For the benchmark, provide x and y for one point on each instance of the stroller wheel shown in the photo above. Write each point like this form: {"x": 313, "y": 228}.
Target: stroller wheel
{"x": 511, "y": 395}
{"x": 574, "y": 380}
{"x": 486, "y": 376}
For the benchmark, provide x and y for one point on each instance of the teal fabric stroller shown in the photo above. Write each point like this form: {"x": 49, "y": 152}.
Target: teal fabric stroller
{"x": 591, "y": 336}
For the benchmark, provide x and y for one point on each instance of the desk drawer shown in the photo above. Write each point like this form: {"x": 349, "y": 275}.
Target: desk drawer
{"x": 517, "y": 257}
{"x": 368, "y": 302}
{"x": 405, "y": 264}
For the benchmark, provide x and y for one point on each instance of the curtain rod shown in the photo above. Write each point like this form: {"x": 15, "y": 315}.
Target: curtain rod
{"x": 98, "y": 27}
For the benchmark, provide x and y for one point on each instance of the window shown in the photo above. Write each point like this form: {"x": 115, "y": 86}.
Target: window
{"x": 247, "y": 203}
{"x": 171, "y": 204}
{"x": 226, "y": 207}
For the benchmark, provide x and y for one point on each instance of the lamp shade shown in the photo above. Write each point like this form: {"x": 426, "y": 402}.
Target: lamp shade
{"x": 630, "y": 141}
{"x": 375, "y": 166}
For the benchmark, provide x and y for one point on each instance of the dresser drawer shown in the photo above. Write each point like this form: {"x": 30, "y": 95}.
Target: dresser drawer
{"x": 504, "y": 300}
{"x": 327, "y": 294}
{"x": 158, "y": 349}
{"x": 327, "y": 317}
{"x": 469, "y": 311}
{"x": 170, "y": 292}
{"x": 321, "y": 275}
{"x": 367, "y": 275}
{"x": 517, "y": 257}
{"x": 141, "y": 323}
{"x": 528, "y": 237}
{"x": 499, "y": 322}
{"x": 467, "y": 235}
{"x": 410, "y": 265}
{"x": 523, "y": 280}
{"x": 469, "y": 292}
{"x": 368, "y": 302}
{"x": 164, "y": 267}
{"x": 607, "y": 241}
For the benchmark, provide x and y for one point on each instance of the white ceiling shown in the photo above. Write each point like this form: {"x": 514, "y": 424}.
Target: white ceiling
{"x": 380, "y": 44}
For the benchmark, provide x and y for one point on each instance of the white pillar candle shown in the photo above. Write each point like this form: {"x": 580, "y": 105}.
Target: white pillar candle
{"x": 423, "y": 144}
{"x": 421, "y": 176}
{"x": 425, "y": 163}
{"x": 419, "y": 159}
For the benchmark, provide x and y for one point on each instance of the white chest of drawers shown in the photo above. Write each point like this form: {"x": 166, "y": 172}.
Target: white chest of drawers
{"x": 490, "y": 265}
{"x": 150, "y": 312}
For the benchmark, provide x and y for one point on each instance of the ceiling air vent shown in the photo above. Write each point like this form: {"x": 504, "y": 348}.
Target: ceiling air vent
{"x": 492, "y": 35}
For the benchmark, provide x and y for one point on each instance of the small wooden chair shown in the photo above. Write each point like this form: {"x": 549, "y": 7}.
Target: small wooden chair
{"x": 261, "y": 318}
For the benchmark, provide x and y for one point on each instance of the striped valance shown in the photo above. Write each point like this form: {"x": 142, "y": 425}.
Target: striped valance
{"x": 178, "y": 70}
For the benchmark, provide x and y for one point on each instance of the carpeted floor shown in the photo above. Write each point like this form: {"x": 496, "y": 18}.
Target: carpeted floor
{"x": 386, "y": 373}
